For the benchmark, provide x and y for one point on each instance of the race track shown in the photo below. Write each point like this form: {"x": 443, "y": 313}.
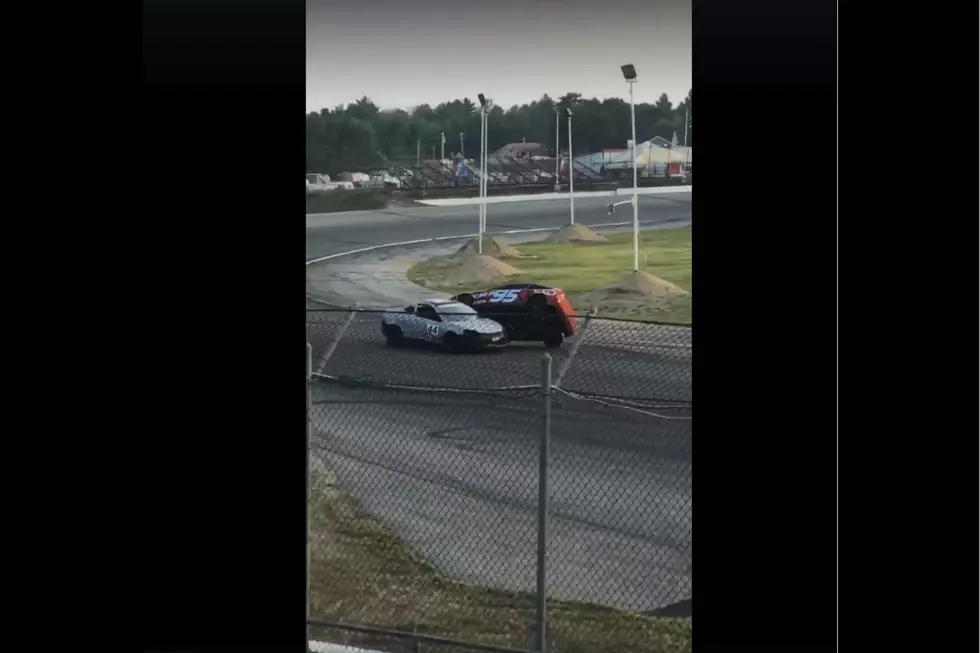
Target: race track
{"x": 455, "y": 474}
{"x": 339, "y": 232}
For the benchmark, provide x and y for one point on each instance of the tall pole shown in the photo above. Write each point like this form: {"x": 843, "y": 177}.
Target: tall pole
{"x": 418, "y": 164}
{"x": 309, "y": 439}
{"x": 557, "y": 151}
{"x": 686, "y": 114}
{"x": 486, "y": 165}
{"x": 636, "y": 212}
{"x": 483, "y": 176}
{"x": 462, "y": 152}
{"x": 544, "y": 455}
{"x": 442, "y": 146}
{"x": 571, "y": 182}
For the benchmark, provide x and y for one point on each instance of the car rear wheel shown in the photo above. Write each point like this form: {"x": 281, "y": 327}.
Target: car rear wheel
{"x": 465, "y": 298}
{"x": 394, "y": 336}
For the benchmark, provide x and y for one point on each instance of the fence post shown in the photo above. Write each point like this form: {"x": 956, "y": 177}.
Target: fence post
{"x": 567, "y": 361}
{"x": 336, "y": 338}
{"x": 544, "y": 454}
{"x": 309, "y": 480}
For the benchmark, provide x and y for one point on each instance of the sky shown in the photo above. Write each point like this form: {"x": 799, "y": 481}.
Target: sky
{"x": 402, "y": 54}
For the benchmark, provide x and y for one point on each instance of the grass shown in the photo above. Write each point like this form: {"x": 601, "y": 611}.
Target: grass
{"x": 582, "y": 267}
{"x": 362, "y": 575}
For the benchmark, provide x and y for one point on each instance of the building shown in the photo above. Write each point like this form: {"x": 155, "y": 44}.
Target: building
{"x": 673, "y": 159}
{"x": 654, "y": 157}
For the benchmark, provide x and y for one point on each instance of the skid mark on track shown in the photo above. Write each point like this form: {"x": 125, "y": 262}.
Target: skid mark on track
{"x": 474, "y": 491}
{"x": 471, "y": 437}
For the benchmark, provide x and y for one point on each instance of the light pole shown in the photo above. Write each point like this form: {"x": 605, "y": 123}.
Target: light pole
{"x": 629, "y": 73}
{"x": 462, "y": 152}
{"x": 483, "y": 176}
{"x": 557, "y": 150}
{"x": 484, "y": 107}
{"x": 571, "y": 183}
{"x": 486, "y": 154}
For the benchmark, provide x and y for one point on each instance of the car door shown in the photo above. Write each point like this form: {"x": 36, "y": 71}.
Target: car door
{"x": 429, "y": 323}
{"x": 412, "y": 325}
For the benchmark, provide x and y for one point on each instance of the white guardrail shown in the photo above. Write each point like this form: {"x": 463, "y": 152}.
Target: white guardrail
{"x": 537, "y": 197}
{"x": 326, "y": 647}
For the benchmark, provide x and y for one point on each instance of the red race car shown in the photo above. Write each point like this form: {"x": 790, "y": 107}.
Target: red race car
{"x": 527, "y": 311}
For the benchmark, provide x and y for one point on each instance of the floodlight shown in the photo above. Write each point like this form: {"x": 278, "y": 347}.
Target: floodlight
{"x": 629, "y": 72}
{"x": 483, "y": 100}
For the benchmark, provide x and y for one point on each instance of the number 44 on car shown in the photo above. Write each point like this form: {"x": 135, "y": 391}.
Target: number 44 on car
{"x": 450, "y": 325}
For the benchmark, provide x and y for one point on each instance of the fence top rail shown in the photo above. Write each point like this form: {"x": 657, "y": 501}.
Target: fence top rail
{"x": 581, "y": 316}
{"x": 421, "y": 637}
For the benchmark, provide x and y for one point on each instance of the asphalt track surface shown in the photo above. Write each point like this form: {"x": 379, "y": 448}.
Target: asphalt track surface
{"x": 339, "y": 232}
{"x": 454, "y": 473}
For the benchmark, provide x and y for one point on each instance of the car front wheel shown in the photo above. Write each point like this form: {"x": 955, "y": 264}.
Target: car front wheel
{"x": 553, "y": 340}
{"x": 452, "y": 343}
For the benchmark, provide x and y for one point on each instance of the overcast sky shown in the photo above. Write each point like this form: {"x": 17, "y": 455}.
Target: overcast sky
{"x": 430, "y": 51}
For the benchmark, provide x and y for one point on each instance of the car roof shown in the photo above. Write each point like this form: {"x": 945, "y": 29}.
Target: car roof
{"x": 439, "y": 304}
{"x": 515, "y": 286}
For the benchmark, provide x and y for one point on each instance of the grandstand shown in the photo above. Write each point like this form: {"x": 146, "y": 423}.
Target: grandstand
{"x": 514, "y": 164}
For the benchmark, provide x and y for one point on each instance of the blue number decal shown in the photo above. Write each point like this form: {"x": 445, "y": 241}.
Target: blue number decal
{"x": 503, "y": 296}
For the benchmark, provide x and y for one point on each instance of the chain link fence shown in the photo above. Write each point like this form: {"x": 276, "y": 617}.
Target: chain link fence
{"x": 433, "y": 476}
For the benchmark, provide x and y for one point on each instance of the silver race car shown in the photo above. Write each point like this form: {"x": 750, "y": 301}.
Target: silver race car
{"x": 452, "y": 325}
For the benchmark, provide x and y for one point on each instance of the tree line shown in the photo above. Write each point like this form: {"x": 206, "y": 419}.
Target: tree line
{"x": 360, "y": 136}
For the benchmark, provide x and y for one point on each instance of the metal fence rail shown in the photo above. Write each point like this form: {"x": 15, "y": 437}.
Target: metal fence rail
{"x": 428, "y": 472}
{"x": 412, "y": 173}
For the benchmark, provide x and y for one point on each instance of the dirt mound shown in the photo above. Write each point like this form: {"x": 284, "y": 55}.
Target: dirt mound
{"x": 469, "y": 269}
{"x": 646, "y": 285}
{"x": 491, "y": 247}
{"x": 576, "y": 233}
{"x": 638, "y": 289}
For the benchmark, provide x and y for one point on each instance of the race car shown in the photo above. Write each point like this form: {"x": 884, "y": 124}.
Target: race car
{"x": 527, "y": 311}
{"x": 451, "y": 325}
